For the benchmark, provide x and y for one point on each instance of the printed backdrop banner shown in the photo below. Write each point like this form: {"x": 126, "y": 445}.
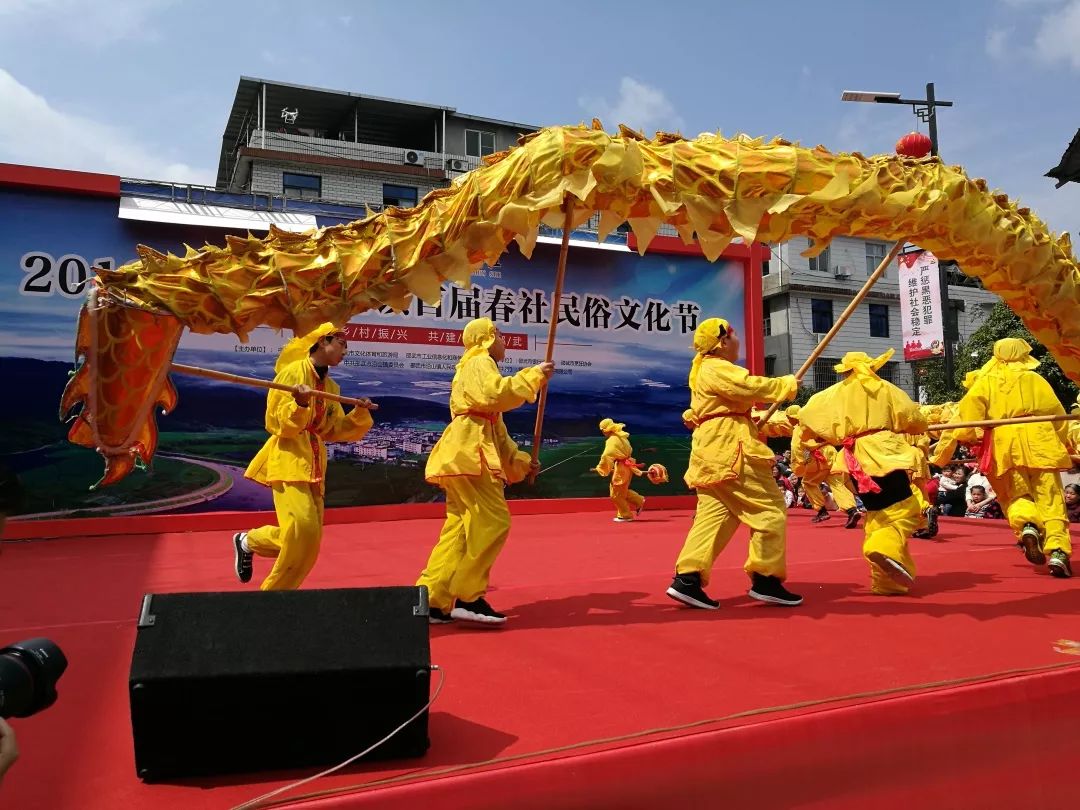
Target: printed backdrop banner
{"x": 920, "y": 305}
{"x": 623, "y": 351}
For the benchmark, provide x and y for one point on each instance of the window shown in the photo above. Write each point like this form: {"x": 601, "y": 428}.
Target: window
{"x": 879, "y": 320}
{"x": 875, "y": 252}
{"x": 770, "y": 365}
{"x": 821, "y": 315}
{"x": 478, "y": 144}
{"x": 888, "y": 372}
{"x": 824, "y": 373}
{"x": 820, "y": 264}
{"x": 400, "y": 196}
{"x": 303, "y": 186}
{"x": 766, "y": 312}
{"x": 765, "y": 268}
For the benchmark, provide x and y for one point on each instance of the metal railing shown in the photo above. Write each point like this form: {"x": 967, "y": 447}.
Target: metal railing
{"x": 369, "y": 152}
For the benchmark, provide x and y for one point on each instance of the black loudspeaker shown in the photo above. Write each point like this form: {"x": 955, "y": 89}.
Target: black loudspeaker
{"x": 243, "y": 682}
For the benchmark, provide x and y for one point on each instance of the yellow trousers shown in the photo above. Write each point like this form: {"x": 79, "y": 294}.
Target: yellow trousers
{"x": 625, "y": 499}
{"x": 887, "y": 531}
{"x": 844, "y": 497}
{"x": 1035, "y": 496}
{"x": 753, "y": 499}
{"x": 295, "y": 541}
{"x": 477, "y": 524}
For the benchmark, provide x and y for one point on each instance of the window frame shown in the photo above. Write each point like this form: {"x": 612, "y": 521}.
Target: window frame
{"x": 286, "y": 186}
{"x": 480, "y": 133}
{"x": 814, "y": 315}
{"x": 873, "y": 260}
{"x": 398, "y": 198}
{"x": 882, "y": 318}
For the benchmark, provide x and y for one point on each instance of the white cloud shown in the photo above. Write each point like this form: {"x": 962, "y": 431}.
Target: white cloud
{"x": 33, "y": 131}
{"x": 101, "y": 23}
{"x": 638, "y": 106}
{"x": 996, "y": 42}
{"x": 1058, "y": 37}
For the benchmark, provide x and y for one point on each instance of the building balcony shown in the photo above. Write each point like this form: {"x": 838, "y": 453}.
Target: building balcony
{"x": 441, "y": 165}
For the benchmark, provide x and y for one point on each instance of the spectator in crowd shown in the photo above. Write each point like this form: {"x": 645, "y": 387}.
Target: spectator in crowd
{"x": 976, "y": 478}
{"x": 787, "y": 489}
{"x": 952, "y": 492}
{"x": 1072, "y": 502}
{"x": 981, "y": 505}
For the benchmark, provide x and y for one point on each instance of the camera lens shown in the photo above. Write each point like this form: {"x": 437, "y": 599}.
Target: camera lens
{"x": 29, "y": 671}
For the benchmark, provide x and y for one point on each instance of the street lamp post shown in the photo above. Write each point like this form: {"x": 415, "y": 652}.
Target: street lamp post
{"x": 926, "y": 110}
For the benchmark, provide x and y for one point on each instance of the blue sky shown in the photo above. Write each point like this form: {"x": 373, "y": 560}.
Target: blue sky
{"x": 142, "y": 87}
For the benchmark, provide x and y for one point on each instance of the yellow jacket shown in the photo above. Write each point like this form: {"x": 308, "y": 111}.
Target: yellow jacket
{"x": 1010, "y": 389}
{"x": 296, "y": 451}
{"x": 872, "y": 418}
{"x": 1073, "y": 432}
{"x": 778, "y": 426}
{"x": 719, "y": 414}
{"x": 812, "y": 458}
{"x": 617, "y": 451}
{"x": 476, "y": 436}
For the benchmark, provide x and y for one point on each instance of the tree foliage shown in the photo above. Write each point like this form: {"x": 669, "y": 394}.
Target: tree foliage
{"x": 1002, "y": 322}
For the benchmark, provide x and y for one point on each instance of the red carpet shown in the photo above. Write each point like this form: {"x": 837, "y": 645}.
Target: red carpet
{"x": 602, "y": 692}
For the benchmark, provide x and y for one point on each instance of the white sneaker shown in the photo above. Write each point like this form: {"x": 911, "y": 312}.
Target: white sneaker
{"x": 623, "y": 520}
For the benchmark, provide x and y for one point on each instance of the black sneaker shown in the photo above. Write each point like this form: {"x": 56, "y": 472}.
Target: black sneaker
{"x": 1031, "y": 544}
{"x": 436, "y": 616}
{"x": 853, "y": 518}
{"x": 478, "y": 612}
{"x": 821, "y": 516}
{"x": 772, "y": 590}
{"x": 241, "y": 558}
{"x": 686, "y": 588}
{"x": 1059, "y": 564}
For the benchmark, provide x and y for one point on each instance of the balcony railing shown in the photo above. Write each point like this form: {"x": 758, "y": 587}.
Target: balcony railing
{"x": 369, "y": 152}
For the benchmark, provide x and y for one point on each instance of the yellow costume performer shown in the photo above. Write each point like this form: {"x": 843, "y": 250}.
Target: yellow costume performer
{"x": 868, "y": 417}
{"x": 1074, "y": 435}
{"x": 812, "y": 460}
{"x": 618, "y": 462}
{"x": 473, "y": 461}
{"x": 1023, "y": 462}
{"x": 293, "y": 460}
{"x": 731, "y": 469}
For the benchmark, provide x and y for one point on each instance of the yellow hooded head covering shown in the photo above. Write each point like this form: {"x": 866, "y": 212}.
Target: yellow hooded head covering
{"x": 862, "y": 365}
{"x": 477, "y": 337}
{"x": 300, "y": 346}
{"x": 792, "y": 413}
{"x": 609, "y": 427}
{"x": 1015, "y": 350}
{"x": 706, "y": 337}
{"x": 1011, "y": 355}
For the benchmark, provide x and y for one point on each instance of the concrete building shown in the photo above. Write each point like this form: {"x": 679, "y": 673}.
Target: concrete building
{"x": 341, "y": 147}
{"x": 803, "y": 297}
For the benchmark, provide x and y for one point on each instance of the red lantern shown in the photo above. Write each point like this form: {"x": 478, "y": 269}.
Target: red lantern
{"x": 914, "y": 144}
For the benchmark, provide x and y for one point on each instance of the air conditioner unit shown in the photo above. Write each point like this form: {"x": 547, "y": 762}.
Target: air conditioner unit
{"x": 457, "y": 165}
{"x": 840, "y": 271}
{"x": 412, "y": 158}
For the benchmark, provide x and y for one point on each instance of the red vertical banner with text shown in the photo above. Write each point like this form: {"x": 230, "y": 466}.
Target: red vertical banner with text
{"x": 920, "y": 305}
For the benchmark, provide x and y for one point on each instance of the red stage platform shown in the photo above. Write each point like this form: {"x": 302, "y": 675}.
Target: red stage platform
{"x": 602, "y": 692}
